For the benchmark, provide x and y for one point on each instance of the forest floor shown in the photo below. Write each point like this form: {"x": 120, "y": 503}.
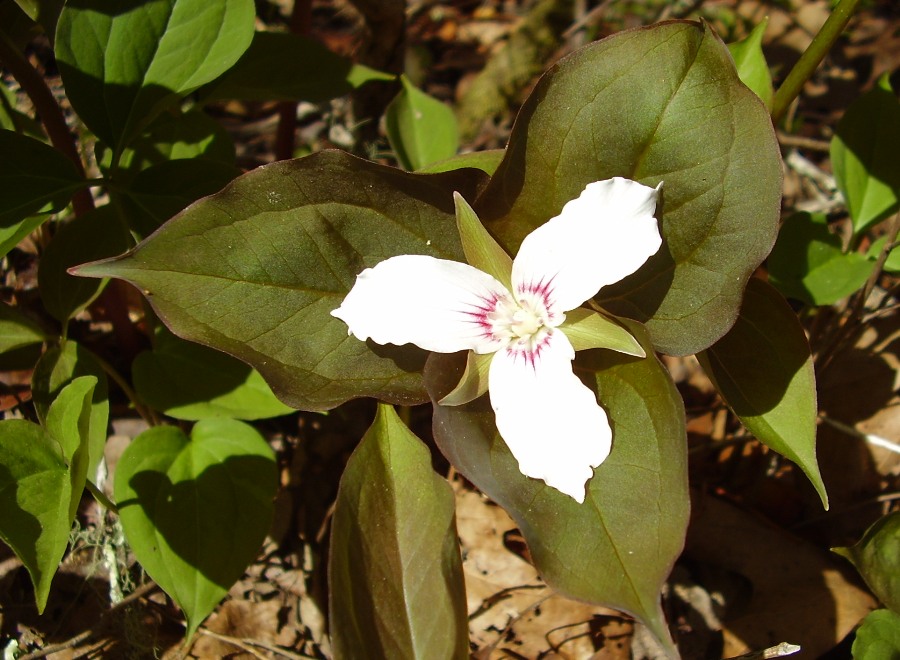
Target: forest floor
{"x": 756, "y": 570}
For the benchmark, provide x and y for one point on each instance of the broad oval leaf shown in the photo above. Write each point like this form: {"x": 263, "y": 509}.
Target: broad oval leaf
{"x": 658, "y": 104}
{"x": 764, "y": 370}
{"x": 421, "y": 129}
{"x": 877, "y": 558}
{"x": 32, "y": 174}
{"x": 123, "y": 63}
{"x": 809, "y": 264}
{"x": 287, "y": 67}
{"x": 17, "y": 330}
{"x": 395, "y": 573}
{"x": 878, "y": 638}
{"x": 864, "y": 156}
{"x": 256, "y": 270}
{"x": 196, "y": 510}
{"x": 618, "y": 547}
{"x": 188, "y": 381}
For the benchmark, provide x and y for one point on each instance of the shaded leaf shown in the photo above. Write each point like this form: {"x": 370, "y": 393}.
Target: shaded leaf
{"x": 188, "y": 381}
{"x": 256, "y": 270}
{"x": 618, "y": 547}
{"x": 17, "y": 330}
{"x": 662, "y": 103}
{"x": 43, "y": 12}
{"x": 286, "y": 67}
{"x": 39, "y": 492}
{"x": 395, "y": 572}
{"x": 808, "y": 263}
{"x": 196, "y": 510}
{"x": 878, "y": 638}
{"x": 37, "y": 176}
{"x": 421, "y": 129}
{"x": 864, "y": 156}
{"x": 877, "y": 558}
{"x": 117, "y": 82}
{"x": 751, "y": 63}
{"x": 60, "y": 366}
{"x": 764, "y": 370}
{"x": 486, "y": 161}
{"x": 96, "y": 234}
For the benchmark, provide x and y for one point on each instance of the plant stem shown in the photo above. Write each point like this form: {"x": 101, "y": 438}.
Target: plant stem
{"x": 101, "y": 497}
{"x": 300, "y": 23}
{"x": 811, "y": 57}
{"x": 49, "y": 112}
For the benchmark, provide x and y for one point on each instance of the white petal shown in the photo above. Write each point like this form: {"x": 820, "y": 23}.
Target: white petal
{"x": 416, "y": 299}
{"x": 548, "y": 418}
{"x": 597, "y": 239}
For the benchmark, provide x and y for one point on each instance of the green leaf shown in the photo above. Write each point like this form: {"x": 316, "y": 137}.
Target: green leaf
{"x": 892, "y": 263}
{"x": 877, "y": 558}
{"x": 39, "y": 492}
{"x": 480, "y": 248}
{"x": 44, "y": 12}
{"x": 421, "y": 129}
{"x": 57, "y": 368}
{"x": 764, "y": 371}
{"x": 588, "y": 329}
{"x": 188, "y": 381}
{"x": 659, "y": 104}
{"x": 94, "y": 235}
{"x": 287, "y": 67}
{"x": 809, "y": 265}
{"x": 864, "y": 156}
{"x": 196, "y": 510}
{"x": 38, "y": 175}
{"x": 161, "y": 191}
{"x": 618, "y": 547}
{"x": 486, "y": 161}
{"x": 395, "y": 572}
{"x": 123, "y": 64}
{"x": 17, "y": 330}
{"x": 257, "y": 269}
{"x": 751, "y": 63}
{"x": 878, "y": 638}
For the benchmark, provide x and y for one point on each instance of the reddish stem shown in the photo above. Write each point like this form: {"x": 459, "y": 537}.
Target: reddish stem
{"x": 300, "y": 23}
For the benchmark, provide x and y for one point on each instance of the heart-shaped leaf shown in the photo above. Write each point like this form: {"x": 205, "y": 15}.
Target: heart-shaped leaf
{"x": 658, "y": 104}
{"x": 195, "y": 510}
{"x": 764, "y": 371}
{"x": 42, "y": 474}
{"x": 877, "y": 558}
{"x": 189, "y": 381}
{"x": 618, "y": 547}
{"x": 395, "y": 572}
{"x": 123, "y": 63}
{"x": 256, "y": 270}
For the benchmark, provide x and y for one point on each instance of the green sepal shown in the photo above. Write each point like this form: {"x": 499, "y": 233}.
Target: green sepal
{"x": 473, "y": 383}
{"x": 480, "y": 248}
{"x": 587, "y": 329}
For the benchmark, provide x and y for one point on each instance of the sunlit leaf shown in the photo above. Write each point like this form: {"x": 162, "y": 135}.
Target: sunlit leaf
{"x": 395, "y": 572}
{"x": 60, "y": 366}
{"x": 764, "y": 371}
{"x": 751, "y": 63}
{"x": 188, "y": 381}
{"x": 877, "y": 558}
{"x": 17, "y": 330}
{"x": 618, "y": 547}
{"x": 808, "y": 263}
{"x": 878, "y": 638}
{"x": 36, "y": 176}
{"x": 421, "y": 129}
{"x": 39, "y": 491}
{"x": 196, "y": 510}
{"x": 288, "y": 67}
{"x": 256, "y": 270}
{"x": 864, "y": 156}
{"x": 486, "y": 161}
{"x": 94, "y": 235}
{"x": 123, "y": 63}
{"x": 658, "y": 104}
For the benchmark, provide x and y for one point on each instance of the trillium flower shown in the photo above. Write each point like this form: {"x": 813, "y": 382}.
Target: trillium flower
{"x": 550, "y": 420}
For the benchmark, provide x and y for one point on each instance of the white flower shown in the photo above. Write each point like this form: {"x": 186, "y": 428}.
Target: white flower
{"x": 550, "y": 420}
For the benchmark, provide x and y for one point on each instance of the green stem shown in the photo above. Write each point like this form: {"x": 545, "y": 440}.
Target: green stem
{"x": 101, "y": 497}
{"x": 146, "y": 413}
{"x": 812, "y": 56}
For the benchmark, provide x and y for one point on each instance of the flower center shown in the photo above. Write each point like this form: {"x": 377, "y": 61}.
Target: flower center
{"x": 524, "y": 323}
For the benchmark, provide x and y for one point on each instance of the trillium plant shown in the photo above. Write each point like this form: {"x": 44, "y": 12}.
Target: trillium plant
{"x": 549, "y": 419}
{"x": 639, "y": 192}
